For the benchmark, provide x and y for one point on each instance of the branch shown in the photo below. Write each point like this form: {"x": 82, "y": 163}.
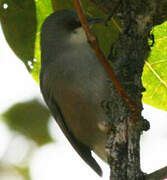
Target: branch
{"x": 95, "y": 45}
{"x": 158, "y": 175}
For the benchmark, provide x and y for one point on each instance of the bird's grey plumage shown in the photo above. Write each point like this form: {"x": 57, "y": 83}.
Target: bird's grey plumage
{"x": 74, "y": 83}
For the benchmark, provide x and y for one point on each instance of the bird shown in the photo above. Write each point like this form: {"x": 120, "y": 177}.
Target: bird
{"x": 73, "y": 83}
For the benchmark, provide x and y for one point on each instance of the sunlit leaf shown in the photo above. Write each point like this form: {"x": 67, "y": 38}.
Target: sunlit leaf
{"x": 10, "y": 172}
{"x": 155, "y": 71}
{"x": 24, "y": 171}
{"x": 43, "y": 9}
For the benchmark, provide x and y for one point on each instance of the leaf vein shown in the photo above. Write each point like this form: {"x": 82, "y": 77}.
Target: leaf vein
{"x": 160, "y": 61}
{"x": 156, "y": 74}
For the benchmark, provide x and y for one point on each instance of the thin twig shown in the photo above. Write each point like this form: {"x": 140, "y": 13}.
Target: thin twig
{"x": 95, "y": 46}
{"x": 107, "y": 11}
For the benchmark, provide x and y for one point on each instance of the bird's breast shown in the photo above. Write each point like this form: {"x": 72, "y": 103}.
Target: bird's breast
{"x": 78, "y": 83}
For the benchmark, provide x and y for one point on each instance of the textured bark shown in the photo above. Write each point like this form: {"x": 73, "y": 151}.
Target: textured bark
{"x": 110, "y": 6}
{"x": 158, "y": 175}
{"x": 129, "y": 54}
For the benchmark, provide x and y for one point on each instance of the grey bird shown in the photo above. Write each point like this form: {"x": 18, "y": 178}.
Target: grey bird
{"x": 74, "y": 83}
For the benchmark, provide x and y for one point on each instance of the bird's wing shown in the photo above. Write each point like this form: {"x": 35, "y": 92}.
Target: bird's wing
{"x": 81, "y": 149}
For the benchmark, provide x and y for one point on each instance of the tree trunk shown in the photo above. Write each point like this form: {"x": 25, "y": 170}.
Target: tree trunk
{"x": 129, "y": 53}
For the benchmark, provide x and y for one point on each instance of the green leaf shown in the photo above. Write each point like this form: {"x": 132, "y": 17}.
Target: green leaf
{"x": 30, "y": 119}
{"x": 21, "y": 21}
{"x": 155, "y": 71}
{"x": 18, "y": 20}
{"x": 24, "y": 171}
{"x": 43, "y": 9}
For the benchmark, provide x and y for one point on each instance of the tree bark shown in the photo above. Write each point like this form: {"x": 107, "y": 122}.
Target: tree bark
{"x": 129, "y": 54}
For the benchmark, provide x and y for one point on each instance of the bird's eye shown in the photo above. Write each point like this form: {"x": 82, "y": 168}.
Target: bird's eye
{"x": 73, "y": 24}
